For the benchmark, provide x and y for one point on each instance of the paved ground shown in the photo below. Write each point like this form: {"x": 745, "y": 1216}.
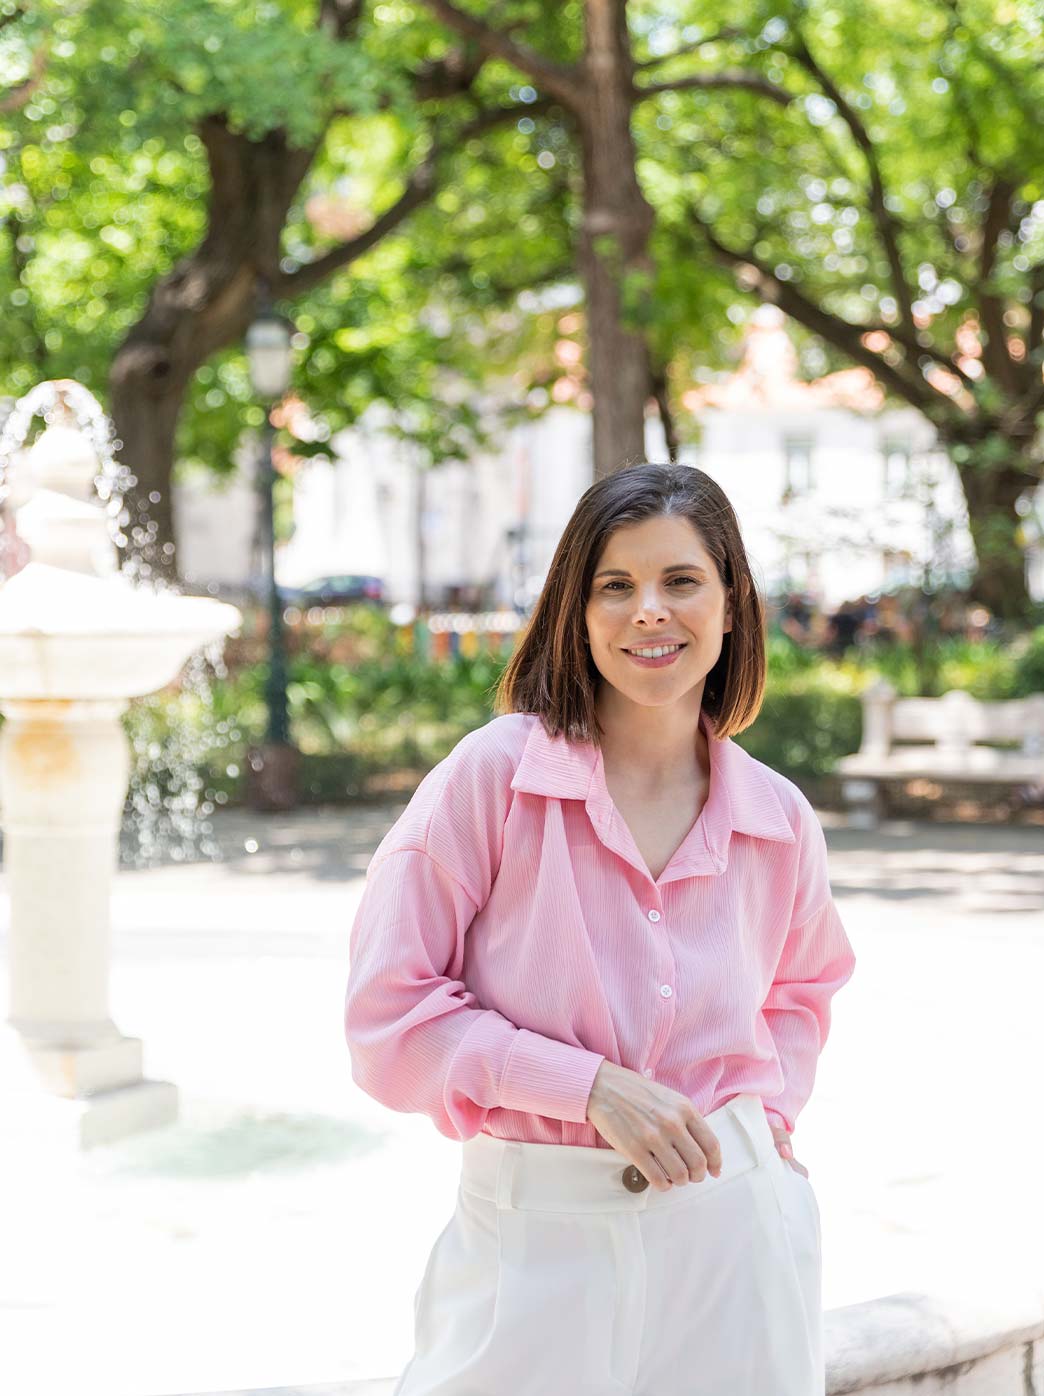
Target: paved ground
{"x": 276, "y": 1235}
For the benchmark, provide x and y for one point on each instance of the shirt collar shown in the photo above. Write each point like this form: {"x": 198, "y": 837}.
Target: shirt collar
{"x": 742, "y": 798}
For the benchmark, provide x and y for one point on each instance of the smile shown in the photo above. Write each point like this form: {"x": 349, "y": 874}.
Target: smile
{"x": 655, "y": 657}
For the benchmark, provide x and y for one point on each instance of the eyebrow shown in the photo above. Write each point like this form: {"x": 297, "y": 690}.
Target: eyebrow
{"x": 674, "y": 567}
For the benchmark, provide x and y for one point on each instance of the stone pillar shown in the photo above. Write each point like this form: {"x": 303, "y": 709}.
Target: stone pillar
{"x": 65, "y": 1069}
{"x": 878, "y": 702}
{"x": 861, "y": 792}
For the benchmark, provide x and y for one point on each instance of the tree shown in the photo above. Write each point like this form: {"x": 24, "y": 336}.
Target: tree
{"x": 871, "y": 176}
{"x": 221, "y": 116}
{"x": 893, "y": 206}
{"x": 877, "y": 179}
{"x": 597, "y": 91}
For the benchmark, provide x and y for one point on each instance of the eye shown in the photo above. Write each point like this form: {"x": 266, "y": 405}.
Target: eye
{"x": 691, "y": 580}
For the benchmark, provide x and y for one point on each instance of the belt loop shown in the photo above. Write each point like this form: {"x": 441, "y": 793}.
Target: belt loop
{"x": 743, "y": 1108}
{"x": 506, "y": 1173}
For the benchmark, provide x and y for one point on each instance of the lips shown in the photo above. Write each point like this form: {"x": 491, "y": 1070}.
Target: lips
{"x": 651, "y": 662}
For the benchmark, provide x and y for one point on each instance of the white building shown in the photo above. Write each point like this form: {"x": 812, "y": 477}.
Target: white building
{"x": 837, "y": 495}
{"x": 216, "y": 524}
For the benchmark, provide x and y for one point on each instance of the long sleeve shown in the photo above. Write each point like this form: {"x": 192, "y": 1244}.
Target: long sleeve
{"x": 418, "y": 1040}
{"x": 817, "y": 959}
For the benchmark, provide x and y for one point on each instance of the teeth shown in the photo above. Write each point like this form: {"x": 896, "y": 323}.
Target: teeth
{"x": 657, "y": 652}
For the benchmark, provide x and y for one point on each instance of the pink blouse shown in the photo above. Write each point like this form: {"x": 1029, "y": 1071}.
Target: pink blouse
{"x": 510, "y": 937}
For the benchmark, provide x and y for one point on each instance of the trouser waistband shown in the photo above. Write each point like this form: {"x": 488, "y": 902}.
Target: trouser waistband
{"x": 579, "y": 1178}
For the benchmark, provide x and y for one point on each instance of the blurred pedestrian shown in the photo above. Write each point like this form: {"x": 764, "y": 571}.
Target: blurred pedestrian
{"x": 795, "y": 618}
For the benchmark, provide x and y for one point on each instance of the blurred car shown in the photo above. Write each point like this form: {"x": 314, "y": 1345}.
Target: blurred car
{"x": 334, "y": 591}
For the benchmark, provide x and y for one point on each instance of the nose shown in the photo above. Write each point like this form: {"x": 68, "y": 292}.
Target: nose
{"x": 650, "y": 604}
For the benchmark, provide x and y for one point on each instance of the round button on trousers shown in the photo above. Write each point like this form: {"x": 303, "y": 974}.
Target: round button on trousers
{"x": 557, "y": 1275}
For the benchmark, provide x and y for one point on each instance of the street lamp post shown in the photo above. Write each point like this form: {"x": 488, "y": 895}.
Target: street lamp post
{"x": 272, "y": 767}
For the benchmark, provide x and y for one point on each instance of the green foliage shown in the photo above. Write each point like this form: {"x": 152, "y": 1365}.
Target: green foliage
{"x": 383, "y": 714}
{"x": 106, "y": 188}
{"x": 803, "y": 728}
{"x": 378, "y": 700}
{"x": 787, "y": 659}
{"x": 106, "y": 185}
{"x": 944, "y": 97}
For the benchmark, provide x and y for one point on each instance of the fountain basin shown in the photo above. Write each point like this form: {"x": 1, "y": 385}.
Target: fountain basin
{"x": 68, "y": 635}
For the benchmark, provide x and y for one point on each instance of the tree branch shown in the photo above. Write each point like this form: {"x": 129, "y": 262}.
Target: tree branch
{"x": 561, "y": 81}
{"x": 915, "y": 350}
{"x": 446, "y": 77}
{"x": 735, "y": 79}
{"x": 661, "y": 394}
{"x": 507, "y": 291}
{"x": 722, "y": 36}
{"x": 438, "y": 78}
{"x": 20, "y": 94}
{"x": 887, "y": 226}
{"x": 338, "y": 17}
{"x": 841, "y": 333}
{"x": 1019, "y": 421}
{"x": 1035, "y": 328}
{"x": 419, "y": 189}
{"x": 998, "y": 361}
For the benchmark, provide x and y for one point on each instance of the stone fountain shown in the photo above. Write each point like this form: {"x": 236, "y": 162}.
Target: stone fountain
{"x": 78, "y": 639}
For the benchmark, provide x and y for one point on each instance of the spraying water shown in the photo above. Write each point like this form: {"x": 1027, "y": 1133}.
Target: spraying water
{"x": 62, "y": 490}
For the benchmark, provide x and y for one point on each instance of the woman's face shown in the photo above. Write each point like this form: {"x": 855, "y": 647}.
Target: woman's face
{"x": 664, "y": 587}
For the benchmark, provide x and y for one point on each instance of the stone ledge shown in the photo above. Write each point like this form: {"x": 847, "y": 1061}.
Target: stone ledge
{"x": 884, "y": 1347}
{"x": 936, "y": 1342}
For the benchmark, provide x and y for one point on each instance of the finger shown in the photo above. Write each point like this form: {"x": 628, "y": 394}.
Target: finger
{"x": 647, "y": 1163}
{"x": 708, "y": 1142}
{"x": 687, "y": 1161}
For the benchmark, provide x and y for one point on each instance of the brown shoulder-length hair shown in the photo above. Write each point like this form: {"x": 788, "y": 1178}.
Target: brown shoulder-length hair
{"x": 551, "y": 671}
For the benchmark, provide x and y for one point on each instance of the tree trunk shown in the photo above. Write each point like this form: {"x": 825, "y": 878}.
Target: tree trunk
{"x": 204, "y": 304}
{"x": 991, "y": 493}
{"x": 145, "y": 413}
{"x": 615, "y": 231}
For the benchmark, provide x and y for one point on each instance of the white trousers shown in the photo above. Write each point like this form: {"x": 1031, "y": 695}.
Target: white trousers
{"x": 552, "y": 1278}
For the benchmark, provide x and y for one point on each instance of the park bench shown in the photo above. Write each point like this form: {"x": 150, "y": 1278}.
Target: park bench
{"x": 952, "y": 738}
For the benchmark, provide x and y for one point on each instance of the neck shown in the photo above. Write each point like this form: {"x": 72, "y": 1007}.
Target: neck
{"x": 657, "y": 746}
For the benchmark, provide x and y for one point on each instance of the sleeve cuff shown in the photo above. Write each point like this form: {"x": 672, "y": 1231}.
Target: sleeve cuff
{"x": 545, "y": 1077}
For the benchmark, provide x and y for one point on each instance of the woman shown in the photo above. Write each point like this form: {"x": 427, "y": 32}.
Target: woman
{"x": 599, "y": 947}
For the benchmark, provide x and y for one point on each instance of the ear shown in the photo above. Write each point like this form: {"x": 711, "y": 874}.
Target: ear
{"x": 727, "y": 626}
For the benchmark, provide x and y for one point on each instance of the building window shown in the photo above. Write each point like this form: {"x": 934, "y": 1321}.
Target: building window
{"x": 898, "y": 475}
{"x": 797, "y": 466}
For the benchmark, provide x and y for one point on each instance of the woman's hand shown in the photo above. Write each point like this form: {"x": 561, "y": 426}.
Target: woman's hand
{"x": 656, "y": 1128}
{"x": 785, "y": 1148}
